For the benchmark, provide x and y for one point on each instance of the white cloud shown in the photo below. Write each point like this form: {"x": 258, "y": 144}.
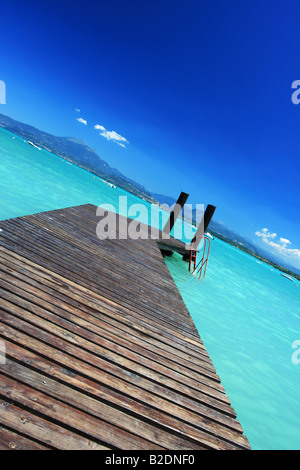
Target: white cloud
{"x": 98, "y": 127}
{"x": 77, "y": 110}
{"x": 281, "y": 246}
{"x": 83, "y": 121}
{"x": 284, "y": 241}
{"x": 112, "y": 135}
{"x": 266, "y": 234}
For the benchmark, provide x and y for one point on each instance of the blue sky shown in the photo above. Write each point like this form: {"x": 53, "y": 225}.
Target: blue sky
{"x": 200, "y": 91}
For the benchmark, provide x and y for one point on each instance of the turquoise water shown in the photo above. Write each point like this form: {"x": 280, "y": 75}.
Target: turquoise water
{"x": 35, "y": 180}
{"x": 246, "y": 312}
{"x": 248, "y": 317}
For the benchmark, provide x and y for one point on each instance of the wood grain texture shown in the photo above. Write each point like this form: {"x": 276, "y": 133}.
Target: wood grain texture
{"x": 101, "y": 351}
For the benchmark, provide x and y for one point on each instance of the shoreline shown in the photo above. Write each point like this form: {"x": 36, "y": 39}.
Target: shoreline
{"x": 150, "y": 199}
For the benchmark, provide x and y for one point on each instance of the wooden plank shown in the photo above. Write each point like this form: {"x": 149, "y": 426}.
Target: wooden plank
{"x": 132, "y": 385}
{"x": 107, "y": 315}
{"x": 10, "y": 440}
{"x": 168, "y": 418}
{"x": 112, "y": 314}
{"x": 170, "y": 436}
{"x": 107, "y": 329}
{"x": 109, "y": 338}
{"x": 77, "y": 420}
{"x": 96, "y": 415}
{"x": 99, "y": 344}
{"x": 125, "y": 295}
{"x": 109, "y": 294}
{"x": 43, "y": 430}
{"x": 67, "y": 341}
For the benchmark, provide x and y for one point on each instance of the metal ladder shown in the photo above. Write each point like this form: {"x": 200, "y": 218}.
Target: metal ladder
{"x": 204, "y": 260}
{"x": 193, "y": 260}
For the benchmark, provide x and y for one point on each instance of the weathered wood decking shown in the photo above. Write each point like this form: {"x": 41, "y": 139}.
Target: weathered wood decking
{"x": 101, "y": 352}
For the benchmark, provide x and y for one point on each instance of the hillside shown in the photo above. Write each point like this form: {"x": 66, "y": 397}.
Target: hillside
{"x": 224, "y": 233}
{"x": 77, "y": 152}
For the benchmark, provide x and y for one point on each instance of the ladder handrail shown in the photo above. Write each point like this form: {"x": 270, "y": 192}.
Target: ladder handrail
{"x": 206, "y": 260}
{"x": 203, "y": 261}
{"x": 193, "y": 257}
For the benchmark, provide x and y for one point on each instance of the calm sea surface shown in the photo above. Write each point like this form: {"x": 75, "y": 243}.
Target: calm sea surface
{"x": 246, "y": 313}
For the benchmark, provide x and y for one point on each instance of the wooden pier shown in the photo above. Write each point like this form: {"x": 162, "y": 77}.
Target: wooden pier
{"x": 100, "y": 349}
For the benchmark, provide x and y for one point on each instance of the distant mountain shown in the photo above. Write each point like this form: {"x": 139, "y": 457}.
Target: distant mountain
{"x": 164, "y": 199}
{"x": 78, "y": 152}
{"x": 75, "y": 151}
{"x": 221, "y": 230}
{"x": 224, "y": 233}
